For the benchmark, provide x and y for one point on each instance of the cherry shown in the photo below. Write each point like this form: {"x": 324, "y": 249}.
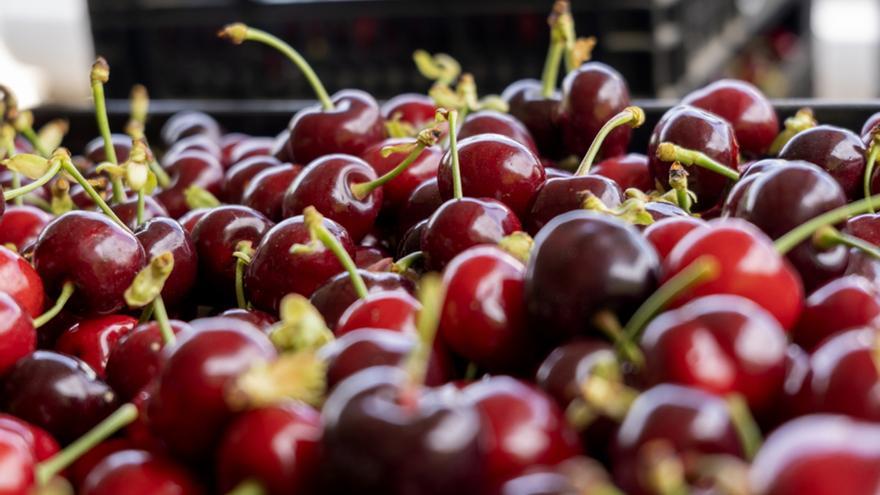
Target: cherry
{"x": 665, "y": 234}
{"x": 687, "y": 420}
{"x": 839, "y": 305}
{"x": 189, "y": 219}
{"x": 367, "y": 256}
{"x": 239, "y": 175}
{"x": 462, "y": 223}
{"x": 391, "y": 310}
{"x": 38, "y": 440}
{"x": 581, "y": 264}
{"x": 538, "y": 113}
{"x": 17, "y": 331}
{"x": 16, "y": 464}
{"x": 21, "y": 224}
{"x": 94, "y": 150}
{"x": 193, "y": 143}
{"x": 189, "y": 123}
{"x": 20, "y": 281}
{"x": 750, "y": 174}
{"x": 259, "y": 319}
{"x": 396, "y": 192}
{"x": 275, "y": 271}
{"x": 93, "y": 339}
{"x": 752, "y": 116}
{"x": 189, "y": 408}
{"x": 411, "y": 240}
{"x": 592, "y": 94}
{"x": 563, "y": 194}
{"x": 137, "y": 358}
{"x": 838, "y": 151}
{"x": 138, "y": 472}
{"x": 81, "y": 468}
{"x": 866, "y": 226}
{"x": 127, "y": 211}
{"x": 276, "y": 446}
{"x": 749, "y": 266}
{"x": 630, "y": 170}
{"x": 265, "y": 193}
{"x": 421, "y": 204}
{"x": 164, "y": 234}
{"x": 338, "y": 293}
{"x": 495, "y": 122}
{"x": 190, "y": 168}
{"x": 59, "y": 393}
{"x": 701, "y": 131}
{"x": 412, "y": 108}
{"x": 98, "y": 256}
{"x": 251, "y": 147}
{"x": 227, "y": 144}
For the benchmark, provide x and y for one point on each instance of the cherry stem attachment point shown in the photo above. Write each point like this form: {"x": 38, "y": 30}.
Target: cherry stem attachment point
{"x": 31, "y": 136}
{"x": 67, "y": 290}
{"x": 100, "y": 74}
{"x": 406, "y": 262}
{"x": 873, "y": 152}
{"x": 607, "y": 322}
{"x": 238, "y": 33}
{"x": 315, "y": 223}
{"x": 452, "y": 118}
{"x": 68, "y": 166}
{"x": 244, "y": 250}
{"x": 426, "y": 138}
{"x": 631, "y": 116}
{"x": 803, "y": 232}
{"x": 795, "y": 124}
{"x": 669, "y": 152}
{"x": 827, "y": 237}
{"x": 744, "y": 423}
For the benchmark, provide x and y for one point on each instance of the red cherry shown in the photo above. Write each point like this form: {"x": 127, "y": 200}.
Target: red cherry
{"x": 189, "y": 219}
{"x": 838, "y": 151}
{"x": 127, "y": 211}
{"x": 665, "y": 234}
{"x": 538, "y": 113}
{"x": 630, "y": 170}
{"x": 421, "y": 204}
{"x": 239, "y": 175}
{"x": 20, "y": 281}
{"x": 20, "y": 225}
{"x": 563, "y": 194}
{"x": 137, "y": 358}
{"x": 138, "y": 472}
{"x": 81, "y": 468}
{"x": 227, "y": 144}
{"x": 251, "y": 147}
{"x": 392, "y": 310}
{"x": 396, "y": 192}
{"x": 94, "y": 150}
{"x": 839, "y": 305}
{"x": 17, "y": 464}
{"x": 38, "y": 440}
{"x": 265, "y": 193}
{"x": 199, "y": 143}
{"x": 190, "y": 168}
{"x": 17, "y": 335}
{"x": 415, "y": 109}
{"x": 93, "y": 339}
{"x": 164, "y": 234}
{"x": 337, "y": 293}
{"x": 865, "y": 227}
{"x": 189, "y": 123}
{"x": 367, "y": 256}
{"x": 259, "y": 319}
{"x": 494, "y": 122}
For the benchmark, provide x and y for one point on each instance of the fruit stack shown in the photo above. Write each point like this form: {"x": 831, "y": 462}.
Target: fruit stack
{"x": 444, "y": 294}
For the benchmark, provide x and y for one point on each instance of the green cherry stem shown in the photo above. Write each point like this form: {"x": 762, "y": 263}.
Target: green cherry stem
{"x": 744, "y": 423}
{"x": 559, "y": 16}
{"x": 244, "y": 250}
{"x": 68, "y": 166}
{"x": 631, "y": 116}
{"x": 799, "y": 122}
{"x": 607, "y": 322}
{"x": 140, "y": 207}
{"x": 669, "y": 152}
{"x": 315, "y": 222}
{"x": 426, "y": 138}
{"x": 430, "y": 294}
{"x": 873, "y": 152}
{"x": 452, "y": 118}
{"x": 18, "y": 192}
{"x": 16, "y": 183}
{"x": 24, "y": 125}
{"x": 679, "y": 184}
{"x": 827, "y": 237}
{"x": 248, "y": 487}
{"x": 46, "y": 470}
{"x": 803, "y": 232}
{"x": 702, "y": 270}
{"x": 406, "y": 262}
{"x": 99, "y": 75}
{"x": 238, "y": 33}
{"x": 160, "y": 315}
{"x": 66, "y": 291}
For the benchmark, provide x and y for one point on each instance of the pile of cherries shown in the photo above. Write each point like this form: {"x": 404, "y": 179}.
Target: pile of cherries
{"x": 435, "y": 296}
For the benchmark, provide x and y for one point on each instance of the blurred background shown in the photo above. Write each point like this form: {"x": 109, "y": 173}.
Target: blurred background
{"x": 665, "y": 48}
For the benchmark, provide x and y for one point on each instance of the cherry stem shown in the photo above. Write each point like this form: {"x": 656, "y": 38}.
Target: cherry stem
{"x": 162, "y": 177}
{"x": 140, "y": 208}
{"x": 243, "y": 252}
{"x": 701, "y": 270}
{"x": 607, "y": 322}
{"x": 452, "y": 118}
{"x": 238, "y": 33}
{"x": 430, "y": 295}
{"x": 426, "y": 138}
{"x": 46, "y": 470}
{"x": 803, "y": 232}
{"x": 670, "y": 152}
{"x": 315, "y": 222}
{"x": 66, "y": 291}
{"x": 404, "y": 263}
{"x": 873, "y": 152}
{"x": 795, "y": 124}
{"x": 559, "y": 33}
{"x": 248, "y": 487}
{"x": 827, "y": 237}
{"x": 99, "y": 75}
{"x": 631, "y": 116}
{"x": 29, "y": 134}
{"x": 16, "y": 183}
{"x": 160, "y": 315}
{"x": 71, "y": 169}
{"x": 18, "y": 192}
{"x": 744, "y": 423}
{"x": 679, "y": 184}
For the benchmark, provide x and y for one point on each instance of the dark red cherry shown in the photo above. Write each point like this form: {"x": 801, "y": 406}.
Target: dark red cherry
{"x": 326, "y": 184}
{"x": 259, "y": 319}
{"x": 839, "y": 305}
{"x": 421, "y": 204}
{"x": 17, "y": 464}
{"x": 698, "y": 130}
{"x": 127, "y": 211}
{"x": 462, "y": 223}
{"x": 250, "y": 147}
{"x": 20, "y": 225}
{"x": 494, "y": 166}
{"x": 276, "y": 446}
{"x": 227, "y": 143}
{"x": 189, "y": 219}
{"x": 93, "y": 339}
{"x": 415, "y": 109}
{"x": 411, "y": 240}
{"x": 583, "y": 263}
{"x": 367, "y": 256}
{"x": 20, "y": 281}
{"x": 563, "y": 194}
{"x": 239, "y": 176}
{"x": 94, "y": 150}
{"x": 192, "y": 143}
{"x": 838, "y": 151}
{"x": 265, "y": 193}
{"x": 749, "y": 175}
{"x": 189, "y": 123}
{"x": 17, "y": 335}
{"x": 81, "y": 468}
{"x": 483, "y": 318}
{"x": 337, "y": 293}
{"x": 393, "y": 310}
{"x": 138, "y": 472}
{"x": 58, "y": 393}
{"x": 364, "y": 415}
{"x": 216, "y": 236}
{"x": 591, "y": 95}
{"x": 661, "y": 209}
{"x": 189, "y": 409}
{"x": 495, "y": 122}
{"x": 680, "y": 418}
{"x": 275, "y": 272}
{"x": 539, "y": 114}
{"x": 137, "y": 358}
{"x": 665, "y": 234}
{"x": 866, "y": 226}
{"x": 190, "y": 168}
{"x": 164, "y": 234}
{"x": 752, "y": 116}
{"x": 350, "y": 127}
{"x": 38, "y": 440}
{"x": 396, "y": 192}
{"x": 630, "y": 170}
{"x": 97, "y": 255}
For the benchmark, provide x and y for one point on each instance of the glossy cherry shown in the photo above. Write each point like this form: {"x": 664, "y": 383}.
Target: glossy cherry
{"x": 94, "y": 149}
{"x": 190, "y": 168}
{"x": 17, "y": 464}
{"x": 127, "y": 211}
{"x": 539, "y": 114}
{"x": 189, "y": 219}
{"x": 420, "y": 205}
{"x": 93, "y": 339}
{"x": 265, "y": 193}
{"x": 20, "y": 281}
{"x": 239, "y": 175}
{"x": 138, "y": 472}
{"x": 630, "y": 170}
{"x": 137, "y": 358}
{"x": 335, "y": 296}
{"x": 259, "y": 319}
{"x": 391, "y": 310}
{"x": 396, "y": 192}
{"x": 844, "y": 303}
{"x": 415, "y": 109}
{"x": 563, "y": 194}
{"x": 38, "y": 440}
{"x": 189, "y": 123}
{"x": 21, "y": 225}
{"x": 228, "y": 142}
{"x": 164, "y": 234}
{"x": 17, "y": 335}
{"x": 866, "y": 226}
{"x": 495, "y": 122}
{"x": 838, "y": 151}
{"x": 251, "y": 147}
{"x": 665, "y": 234}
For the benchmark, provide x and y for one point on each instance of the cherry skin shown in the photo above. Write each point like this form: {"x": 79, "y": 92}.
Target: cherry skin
{"x": 666, "y": 233}
{"x": 678, "y": 416}
{"x": 94, "y": 149}
{"x": 127, "y": 211}
{"x": 189, "y": 219}
{"x": 483, "y": 318}
{"x": 494, "y": 166}
{"x": 17, "y": 335}
{"x": 752, "y": 116}
{"x": 164, "y": 234}
{"x": 748, "y": 175}
{"x": 563, "y": 194}
{"x": 93, "y": 339}
{"x": 199, "y": 143}
{"x": 137, "y": 358}
{"x": 337, "y": 294}
{"x": 259, "y": 319}
{"x": 415, "y": 109}
{"x": 20, "y": 281}
{"x": 630, "y": 170}
{"x": 366, "y": 256}
{"x": 265, "y": 193}
{"x": 97, "y": 255}
{"x": 421, "y": 204}
{"x": 748, "y": 264}
{"x": 38, "y": 440}
{"x": 539, "y": 114}
{"x": 138, "y": 472}
{"x": 21, "y": 225}
{"x": 392, "y": 310}
{"x": 660, "y": 210}
{"x": 275, "y": 272}
{"x": 411, "y": 240}
{"x": 17, "y": 464}
{"x": 189, "y": 123}
{"x": 239, "y": 175}
{"x": 190, "y": 168}
{"x": 276, "y": 446}
{"x": 251, "y": 147}
{"x": 698, "y": 130}
{"x": 462, "y": 223}
{"x": 326, "y": 184}
{"x": 866, "y": 226}
{"x": 838, "y": 151}
{"x": 189, "y": 409}
{"x": 591, "y": 95}
{"x": 228, "y": 142}
{"x": 396, "y": 192}
{"x": 495, "y": 122}
{"x": 583, "y": 263}
{"x": 350, "y": 127}
{"x": 839, "y": 305}
{"x": 58, "y": 393}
